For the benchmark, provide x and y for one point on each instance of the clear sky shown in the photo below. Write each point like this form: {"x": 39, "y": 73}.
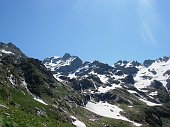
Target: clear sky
{"x": 105, "y": 30}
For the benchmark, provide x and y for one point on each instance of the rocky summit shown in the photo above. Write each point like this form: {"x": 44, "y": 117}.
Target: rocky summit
{"x": 67, "y": 92}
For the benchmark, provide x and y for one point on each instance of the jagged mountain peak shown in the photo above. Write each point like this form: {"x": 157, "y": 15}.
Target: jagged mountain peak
{"x": 148, "y": 62}
{"x": 66, "y": 56}
{"x": 127, "y": 82}
{"x": 127, "y": 63}
{"x": 63, "y": 65}
{"x": 164, "y": 59}
{"x": 10, "y": 49}
{"x": 89, "y": 90}
{"x": 134, "y": 73}
{"x": 121, "y": 62}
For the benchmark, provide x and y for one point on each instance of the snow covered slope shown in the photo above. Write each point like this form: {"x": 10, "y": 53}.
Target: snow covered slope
{"x": 63, "y": 65}
{"x": 158, "y": 70}
{"x": 105, "y": 87}
{"x": 91, "y": 94}
{"x": 108, "y": 110}
{"x": 97, "y": 77}
{"x": 73, "y": 67}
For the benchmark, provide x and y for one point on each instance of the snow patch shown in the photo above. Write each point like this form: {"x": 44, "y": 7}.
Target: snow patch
{"x": 149, "y": 103}
{"x": 59, "y": 62}
{"x": 71, "y": 76}
{"x": 128, "y": 65}
{"x": 154, "y": 72}
{"x": 103, "y": 78}
{"x": 153, "y": 93}
{"x": 6, "y": 52}
{"x": 3, "y": 106}
{"x": 76, "y": 122}
{"x": 117, "y": 77}
{"x": 56, "y": 76}
{"x": 108, "y": 88}
{"x": 11, "y": 79}
{"x": 132, "y": 91}
{"x": 56, "y": 57}
{"x": 107, "y": 110}
{"x": 23, "y": 83}
{"x": 40, "y": 100}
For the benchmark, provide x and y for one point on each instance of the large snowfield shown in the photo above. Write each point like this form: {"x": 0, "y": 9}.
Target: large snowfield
{"x": 107, "y": 110}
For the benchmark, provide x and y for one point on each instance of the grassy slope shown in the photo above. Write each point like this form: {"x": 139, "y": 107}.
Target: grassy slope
{"x": 22, "y": 111}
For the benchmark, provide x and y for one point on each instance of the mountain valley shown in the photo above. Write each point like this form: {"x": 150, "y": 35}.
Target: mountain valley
{"x": 67, "y": 92}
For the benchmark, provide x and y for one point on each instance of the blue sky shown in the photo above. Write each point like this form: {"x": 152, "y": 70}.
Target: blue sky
{"x": 105, "y": 30}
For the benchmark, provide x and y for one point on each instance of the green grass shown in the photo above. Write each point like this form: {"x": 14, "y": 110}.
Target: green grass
{"x": 22, "y": 112}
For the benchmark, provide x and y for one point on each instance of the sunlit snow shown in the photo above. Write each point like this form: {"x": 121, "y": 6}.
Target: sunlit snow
{"x": 149, "y": 103}
{"x": 12, "y": 80}
{"x": 77, "y": 123}
{"x": 102, "y": 89}
{"x": 160, "y": 67}
{"x": 153, "y": 93}
{"x": 6, "y": 52}
{"x": 103, "y": 78}
{"x": 132, "y": 91}
{"x": 3, "y": 106}
{"x": 107, "y": 110}
{"x": 59, "y": 63}
{"x": 40, "y": 100}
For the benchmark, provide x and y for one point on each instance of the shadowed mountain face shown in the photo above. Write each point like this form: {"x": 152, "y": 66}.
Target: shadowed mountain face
{"x": 147, "y": 83}
{"x": 123, "y": 73}
{"x": 10, "y": 49}
{"x": 66, "y": 92}
{"x": 30, "y": 95}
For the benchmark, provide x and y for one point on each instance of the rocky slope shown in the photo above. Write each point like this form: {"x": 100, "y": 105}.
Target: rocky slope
{"x": 29, "y": 94}
{"x": 66, "y": 92}
{"x": 128, "y": 85}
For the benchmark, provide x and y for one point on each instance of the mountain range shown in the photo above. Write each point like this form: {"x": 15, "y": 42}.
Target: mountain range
{"x": 66, "y": 91}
